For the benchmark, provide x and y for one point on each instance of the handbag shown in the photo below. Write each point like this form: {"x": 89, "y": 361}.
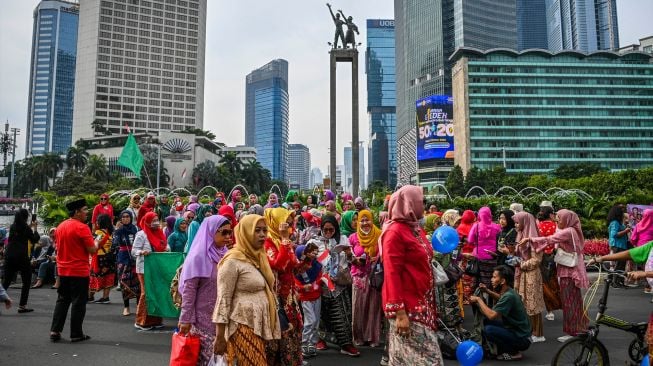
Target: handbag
{"x": 471, "y": 268}
{"x": 567, "y": 259}
{"x": 453, "y": 272}
{"x": 439, "y": 275}
{"x": 185, "y": 350}
{"x": 376, "y": 278}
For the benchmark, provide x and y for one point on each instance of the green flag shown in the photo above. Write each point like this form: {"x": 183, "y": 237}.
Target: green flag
{"x": 160, "y": 268}
{"x": 131, "y": 156}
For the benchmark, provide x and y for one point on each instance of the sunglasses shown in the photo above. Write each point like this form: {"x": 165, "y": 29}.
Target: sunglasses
{"x": 225, "y": 232}
{"x": 103, "y": 199}
{"x": 327, "y": 230}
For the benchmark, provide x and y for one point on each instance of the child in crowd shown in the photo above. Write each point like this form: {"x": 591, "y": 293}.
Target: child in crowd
{"x": 310, "y": 293}
{"x": 4, "y": 297}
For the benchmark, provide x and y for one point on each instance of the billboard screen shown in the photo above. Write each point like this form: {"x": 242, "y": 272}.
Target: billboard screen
{"x": 434, "y": 117}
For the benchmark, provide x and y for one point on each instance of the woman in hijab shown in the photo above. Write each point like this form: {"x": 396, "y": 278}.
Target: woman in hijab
{"x": 431, "y": 222}
{"x": 329, "y": 195}
{"x": 228, "y": 212}
{"x": 348, "y": 206}
{"x": 331, "y": 209}
{"x": 123, "y": 240}
{"x": 256, "y": 209}
{"x": 170, "y": 225}
{"x": 450, "y": 294}
{"x": 507, "y": 237}
{"x": 483, "y": 238}
{"x": 451, "y": 218}
{"x": 643, "y": 231}
{"x": 367, "y": 313}
{"x": 103, "y": 262}
{"x": 551, "y": 288}
{"x": 569, "y": 238}
{"x": 359, "y": 204}
{"x": 273, "y": 201}
{"x": 203, "y": 212}
{"x": 134, "y": 206}
{"x": 245, "y": 312}
{"x": 408, "y": 287}
{"x": 336, "y": 301}
{"x": 466, "y": 222}
{"x": 285, "y": 265}
{"x": 179, "y": 237}
{"x": 149, "y": 239}
{"x": 528, "y": 277}
{"x": 198, "y": 282}
{"x": 348, "y": 223}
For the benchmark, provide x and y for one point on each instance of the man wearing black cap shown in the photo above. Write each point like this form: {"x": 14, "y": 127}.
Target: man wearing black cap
{"x": 74, "y": 244}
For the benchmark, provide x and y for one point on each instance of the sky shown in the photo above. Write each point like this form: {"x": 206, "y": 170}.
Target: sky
{"x": 244, "y": 35}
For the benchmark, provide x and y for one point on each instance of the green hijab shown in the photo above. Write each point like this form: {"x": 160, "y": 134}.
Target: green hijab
{"x": 201, "y": 213}
{"x": 431, "y": 223}
{"x": 346, "y": 228}
{"x": 290, "y": 197}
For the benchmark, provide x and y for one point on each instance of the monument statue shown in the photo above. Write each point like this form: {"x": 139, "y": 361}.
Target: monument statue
{"x": 339, "y": 33}
{"x": 351, "y": 28}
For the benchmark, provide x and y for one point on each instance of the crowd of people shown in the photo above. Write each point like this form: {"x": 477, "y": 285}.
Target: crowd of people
{"x": 276, "y": 283}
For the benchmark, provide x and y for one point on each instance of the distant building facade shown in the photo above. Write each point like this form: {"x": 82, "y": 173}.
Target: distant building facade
{"x": 645, "y": 45}
{"x": 266, "y": 116}
{"x": 52, "y": 77}
{"x": 485, "y": 24}
{"x": 531, "y": 24}
{"x": 349, "y": 177}
{"x": 299, "y": 165}
{"x": 582, "y": 25}
{"x": 316, "y": 177}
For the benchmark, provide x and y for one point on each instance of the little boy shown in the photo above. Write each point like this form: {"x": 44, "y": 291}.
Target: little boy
{"x": 310, "y": 294}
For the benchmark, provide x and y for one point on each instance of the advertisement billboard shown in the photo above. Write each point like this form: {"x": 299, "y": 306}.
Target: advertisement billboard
{"x": 434, "y": 116}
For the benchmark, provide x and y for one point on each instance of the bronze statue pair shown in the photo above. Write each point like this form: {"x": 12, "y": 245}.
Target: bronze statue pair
{"x": 350, "y": 38}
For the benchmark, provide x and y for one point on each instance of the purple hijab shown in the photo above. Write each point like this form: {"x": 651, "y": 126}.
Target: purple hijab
{"x": 203, "y": 256}
{"x": 170, "y": 225}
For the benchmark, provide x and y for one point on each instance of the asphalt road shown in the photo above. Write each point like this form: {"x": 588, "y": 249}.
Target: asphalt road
{"x": 24, "y": 337}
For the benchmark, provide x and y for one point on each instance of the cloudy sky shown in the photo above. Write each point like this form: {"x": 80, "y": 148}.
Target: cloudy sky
{"x": 244, "y": 35}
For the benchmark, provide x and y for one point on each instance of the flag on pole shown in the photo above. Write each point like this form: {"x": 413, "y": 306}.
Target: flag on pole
{"x": 131, "y": 157}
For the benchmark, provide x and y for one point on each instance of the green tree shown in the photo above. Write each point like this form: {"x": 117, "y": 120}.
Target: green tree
{"x": 455, "y": 182}
{"x": 76, "y": 158}
{"x": 256, "y": 177}
{"x": 473, "y": 178}
{"x": 282, "y": 186}
{"x": 97, "y": 167}
{"x": 199, "y": 132}
{"x": 577, "y": 170}
{"x": 150, "y": 164}
{"x": 232, "y": 163}
{"x": 205, "y": 174}
{"x": 53, "y": 163}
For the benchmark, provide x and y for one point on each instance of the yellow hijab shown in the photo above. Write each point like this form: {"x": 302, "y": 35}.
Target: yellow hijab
{"x": 369, "y": 241}
{"x": 245, "y": 233}
{"x": 273, "y": 218}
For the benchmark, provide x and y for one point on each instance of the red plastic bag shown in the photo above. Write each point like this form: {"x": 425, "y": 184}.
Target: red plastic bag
{"x": 185, "y": 350}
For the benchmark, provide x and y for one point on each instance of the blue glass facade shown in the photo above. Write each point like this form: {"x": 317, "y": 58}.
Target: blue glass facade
{"x": 607, "y": 27}
{"x": 52, "y": 77}
{"x": 381, "y": 100}
{"x": 485, "y": 24}
{"x": 531, "y": 24}
{"x": 266, "y": 116}
{"x": 549, "y": 109}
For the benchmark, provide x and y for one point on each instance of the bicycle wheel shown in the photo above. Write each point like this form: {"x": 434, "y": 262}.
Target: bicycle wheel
{"x": 576, "y": 352}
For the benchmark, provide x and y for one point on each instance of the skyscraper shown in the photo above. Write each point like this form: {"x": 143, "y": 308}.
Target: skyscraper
{"x": 381, "y": 100}
{"x": 266, "y": 116}
{"x": 583, "y": 25}
{"x": 299, "y": 165}
{"x": 316, "y": 177}
{"x": 348, "y": 180}
{"x": 52, "y": 77}
{"x": 485, "y": 24}
{"x": 423, "y": 42}
{"x": 607, "y": 27}
{"x": 140, "y": 64}
{"x": 531, "y": 24}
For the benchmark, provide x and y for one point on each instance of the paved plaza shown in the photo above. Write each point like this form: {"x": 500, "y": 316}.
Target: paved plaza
{"x": 24, "y": 338}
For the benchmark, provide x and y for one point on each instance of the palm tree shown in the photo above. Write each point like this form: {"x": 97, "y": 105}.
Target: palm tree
{"x": 232, "y": 163}
{"x": 97, "y": 167}
{"x": 40, "y": 169}
{"x": 76, "y": 158}
{"x": 205, "y": 174}
{"x": 256, "y": 177}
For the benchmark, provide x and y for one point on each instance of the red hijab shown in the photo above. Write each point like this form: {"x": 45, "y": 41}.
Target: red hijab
{"x": 466, "y": 222}
{"x": 228, "y": 212}
{"x": 156, "y": 237}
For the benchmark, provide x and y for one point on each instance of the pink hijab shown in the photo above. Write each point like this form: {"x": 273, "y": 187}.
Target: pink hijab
{"x": 643, "y": 232}
{"x": 486, "y": 228}
{"x": 527, "y": 228}
{"x": 406, "y": 206}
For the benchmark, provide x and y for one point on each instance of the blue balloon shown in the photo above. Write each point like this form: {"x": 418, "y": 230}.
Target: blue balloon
{"x": 469, "y": 353}
{"x": 445, "y": 239}
{"x": 646, "y": 361}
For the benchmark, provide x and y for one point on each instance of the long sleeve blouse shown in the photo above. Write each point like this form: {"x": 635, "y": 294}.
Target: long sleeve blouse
{"x": 408, "y": 280}
{"x": 141, "y": 244}
{"x": 17, "y": 247}
{"x": 242, "y": 300}
{"x": 615, "y": 240}
{"x": 284, "y": 262}
{"x": 485, "y": 241}
{"x": 641, "y": 237}
{"x": 566, "y": 240}
{"x": 198, "y": 302}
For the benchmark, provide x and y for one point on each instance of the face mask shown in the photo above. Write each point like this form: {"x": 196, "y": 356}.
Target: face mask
{"x": 155, "y": 224}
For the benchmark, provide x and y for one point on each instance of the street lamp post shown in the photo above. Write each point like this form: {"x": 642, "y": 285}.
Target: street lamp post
{"x": 15, "y": 131}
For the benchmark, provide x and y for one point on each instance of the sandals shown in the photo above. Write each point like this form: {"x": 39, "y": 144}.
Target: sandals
{"x": 37, "y": 285}
{"x": 55, "y": 337}
{"x": 22, "y": 310}
{"x": 80, "y": 339}
{"x": 509, "y": 357}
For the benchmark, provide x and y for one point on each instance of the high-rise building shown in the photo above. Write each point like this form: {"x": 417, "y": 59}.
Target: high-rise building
{"x": 381, "y": 100}
{"x": 316, "y": 177}
{"x": 139, "y": 64}
{"x": 299, "y": 165}
{"x": 485, "y": 24}
{"x": 266, "y": 116}
{"x": 349, "y": 177}
{"x": 531, "y": 24}
{"x": 52, "y": 77}
{"x": 424, "y": 39}
{"x": 583, "y": 25}
{"x": 585, "y": 108}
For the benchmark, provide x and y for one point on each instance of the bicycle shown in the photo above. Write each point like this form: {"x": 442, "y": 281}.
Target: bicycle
{"x": 587, "y": 350}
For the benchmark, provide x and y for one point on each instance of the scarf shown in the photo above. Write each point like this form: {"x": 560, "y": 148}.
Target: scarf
{"x": 156, "y": 237}
{"x": 228, "y": 212}
{"x": 431, "y": 223}
{"x": 244, "y": 251}
{"x": 466, "y": 222}
{"x": 201, "y": 213}
{"x": 273, "y": 218}
{"x": 527, "y": 229}
{"x": 451, "y": 217}
{"x": 368, "y": 241}
{"x": 203, "y": 255}
{"x": 346, "y": 222}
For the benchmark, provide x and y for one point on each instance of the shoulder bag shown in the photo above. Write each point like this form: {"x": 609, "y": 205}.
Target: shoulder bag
{"x": 567, "y": 259}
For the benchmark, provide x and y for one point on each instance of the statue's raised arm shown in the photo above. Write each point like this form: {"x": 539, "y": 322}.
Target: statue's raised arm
{"x": 333, "y": 16}
{"x": 339, "y": 34}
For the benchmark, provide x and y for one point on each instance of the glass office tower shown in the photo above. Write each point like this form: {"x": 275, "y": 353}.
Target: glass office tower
{"x": 485, "y": 24}
{"x": 52, "y": 77}
{"x": 531, "y": 24}
{"x": 266, "y": 116}
{"x": 381, "y": 101}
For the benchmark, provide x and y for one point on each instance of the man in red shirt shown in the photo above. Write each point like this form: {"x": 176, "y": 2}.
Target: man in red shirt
{"x": 75, "y": 244}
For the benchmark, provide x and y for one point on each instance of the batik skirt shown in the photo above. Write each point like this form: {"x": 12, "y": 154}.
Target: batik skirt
{"x": 574, "y": 319}
{"x": 336, "y": 316}
{"x": 206, "y": 345}
{"x": 287, "y": 351}
{"x": 246, "y": 348}
{"x": 420, "y": 348}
